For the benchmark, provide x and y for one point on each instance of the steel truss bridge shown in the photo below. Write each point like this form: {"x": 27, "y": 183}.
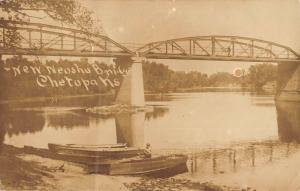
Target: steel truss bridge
{"x": 48, "y": 40}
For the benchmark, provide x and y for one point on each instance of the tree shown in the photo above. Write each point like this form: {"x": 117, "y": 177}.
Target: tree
{"x": 65, "y": 11}
{"x": 156, "y": 77}
{"x": 69, "y": 12}
{"x": 221, "y": 79}
{"x": 260, "y": 74}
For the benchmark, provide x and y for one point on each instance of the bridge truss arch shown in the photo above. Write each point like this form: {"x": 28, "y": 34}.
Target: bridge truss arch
{"x": 49, "y": 40}
{"x": 225, "y": 48}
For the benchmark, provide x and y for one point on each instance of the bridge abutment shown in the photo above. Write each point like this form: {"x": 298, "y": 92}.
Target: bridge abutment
{"x": 131, "y": 91}
{"x": 288, "y": 81}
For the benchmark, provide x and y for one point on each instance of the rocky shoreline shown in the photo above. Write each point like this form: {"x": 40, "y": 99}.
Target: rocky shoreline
{"x": 175, "y": 184}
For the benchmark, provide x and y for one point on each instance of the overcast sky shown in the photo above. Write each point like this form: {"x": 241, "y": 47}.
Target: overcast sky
{"x": 142, "y": 21}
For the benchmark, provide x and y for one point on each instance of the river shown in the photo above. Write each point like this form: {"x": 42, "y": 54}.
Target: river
{"x": 179, "y": 120}
{"x": 237, "y": 129}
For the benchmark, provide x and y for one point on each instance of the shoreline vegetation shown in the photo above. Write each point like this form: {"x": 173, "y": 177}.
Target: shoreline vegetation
{"x": 22, "y": 78}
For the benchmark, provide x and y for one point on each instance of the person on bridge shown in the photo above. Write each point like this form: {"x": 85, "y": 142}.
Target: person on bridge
{"x": 229, "y": 51}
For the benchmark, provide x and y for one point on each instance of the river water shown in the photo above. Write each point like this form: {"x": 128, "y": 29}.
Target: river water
{"x": 179, "y": 120}
{"x": 234, "y": 129}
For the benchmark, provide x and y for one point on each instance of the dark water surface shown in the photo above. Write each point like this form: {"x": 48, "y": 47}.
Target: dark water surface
{"x": 181, "y": 120}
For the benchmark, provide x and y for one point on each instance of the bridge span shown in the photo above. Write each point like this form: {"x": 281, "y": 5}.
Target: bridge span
{"x": 49, "y": 40}
{"x": 223, "y": 48}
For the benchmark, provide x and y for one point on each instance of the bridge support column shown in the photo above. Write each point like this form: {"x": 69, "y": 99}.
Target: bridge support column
{"x": 131, "y": 91}
{"x": 288, "y": 81}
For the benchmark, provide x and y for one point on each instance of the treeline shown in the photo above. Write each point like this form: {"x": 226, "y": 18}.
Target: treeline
{"x": 21, "y": 78}
{"x": 159, "y": 78}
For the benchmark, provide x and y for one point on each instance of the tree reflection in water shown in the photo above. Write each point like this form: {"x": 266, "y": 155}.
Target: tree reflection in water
{"x": 157, "y": 112}
{"x": 21, "y": 122}
{"x": 67, "y": 120}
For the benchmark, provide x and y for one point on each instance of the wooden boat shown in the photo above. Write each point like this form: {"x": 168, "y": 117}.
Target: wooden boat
{"x": 81, "y": 159}
{"x": 140, "y": 166}
{"x": 55, "y": 147}
{"x": 96, "y": 152}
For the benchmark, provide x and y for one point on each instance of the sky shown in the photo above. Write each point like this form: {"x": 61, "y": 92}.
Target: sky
{"x": 144, "y": 21}
{"x": 136, "y": 22}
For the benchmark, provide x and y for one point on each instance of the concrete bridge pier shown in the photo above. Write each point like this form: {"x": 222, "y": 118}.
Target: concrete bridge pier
{"x": 288, "y": 81}
{"x": 131, "y": 91}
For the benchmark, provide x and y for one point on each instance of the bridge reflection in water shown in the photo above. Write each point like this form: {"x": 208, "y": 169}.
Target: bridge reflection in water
{"x": 288, "y": 119}
{"x": 130, "y": 129}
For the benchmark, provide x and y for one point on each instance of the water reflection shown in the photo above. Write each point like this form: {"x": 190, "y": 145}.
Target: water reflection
{"x": 73, "y": 125}
{"x": 67, "y": 101}
{"x": 157, "y": 97}
{"x": 196, "y": 120}
{"x": 21, "y": 122}
{"x": 3, "y": 126}
{"x": 67, "y": 120}
{"x": 288, "y": 119}
{"x": 220, "y": 161}
{"x": 157, "y": 112}
{"x": 2, "y": 134}
{"x": 130, "y": 129}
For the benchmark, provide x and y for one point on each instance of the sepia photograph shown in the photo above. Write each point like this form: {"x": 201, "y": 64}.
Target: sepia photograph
{"x": 149, "y": 95}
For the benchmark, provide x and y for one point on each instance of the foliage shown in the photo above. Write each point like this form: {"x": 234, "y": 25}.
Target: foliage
{"x": 69, "y": 12}
{"x": 65, "y": 11}
{"x": 221, "y": 79}
{"x": 157, "y": 78}
{"x": 260, "y": 74}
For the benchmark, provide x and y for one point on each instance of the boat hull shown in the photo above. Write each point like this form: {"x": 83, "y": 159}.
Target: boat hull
{"x": 141, "y": 166}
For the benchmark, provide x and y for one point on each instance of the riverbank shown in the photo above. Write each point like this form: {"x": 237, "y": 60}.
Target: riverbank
{"x": 21, "y": 171}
